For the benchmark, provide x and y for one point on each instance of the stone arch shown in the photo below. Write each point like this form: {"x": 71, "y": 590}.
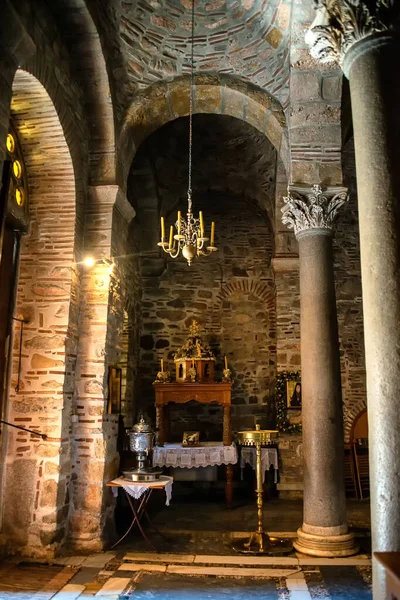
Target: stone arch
{"x": 215, "y": 94}
{"x": 76, "y": 23}
{"x": 47, "y": 299}
{"x": 263, "y": 290}
{"x": 350, "y": 413}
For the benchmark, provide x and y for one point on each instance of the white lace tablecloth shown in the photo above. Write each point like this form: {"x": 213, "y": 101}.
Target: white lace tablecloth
{"x": 136, "y": 489}
{"x": 269, "y": 456}
{"x": 208, "y": 454}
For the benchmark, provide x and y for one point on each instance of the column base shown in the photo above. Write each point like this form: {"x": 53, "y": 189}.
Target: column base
{"x": 325, "y": 545}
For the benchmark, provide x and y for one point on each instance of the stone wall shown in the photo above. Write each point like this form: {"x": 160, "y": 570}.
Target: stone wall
{"x": 48, "y": 299}
{"x": 232, "y": 295}
{"x": 290, "y": 465}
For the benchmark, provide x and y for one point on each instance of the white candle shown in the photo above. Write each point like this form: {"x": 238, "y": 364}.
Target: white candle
{"x": 179, "y": 221}
{"x": 162, "y": 229}
{"x": 201, "y": 223}
{"x": 162, "y": 365}
{"x": 226, "y": 363}
{"x": 212, "y": 233}
{"x": 171, "y": 236}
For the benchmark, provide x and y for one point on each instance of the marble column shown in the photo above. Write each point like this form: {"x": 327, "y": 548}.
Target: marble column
{"x": 311, "y": 213}
{"x": 366, "y": 43}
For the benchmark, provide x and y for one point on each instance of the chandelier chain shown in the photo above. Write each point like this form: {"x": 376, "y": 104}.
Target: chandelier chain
{"x": 191, "y": 112}
{"x": 190, "y": 238}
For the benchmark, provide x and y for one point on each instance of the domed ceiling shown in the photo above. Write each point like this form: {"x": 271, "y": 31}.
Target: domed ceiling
{"x": 246, "y": 38}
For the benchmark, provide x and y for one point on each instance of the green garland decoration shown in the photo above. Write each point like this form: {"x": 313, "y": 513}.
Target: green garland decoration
{"x": 282, "y": 422}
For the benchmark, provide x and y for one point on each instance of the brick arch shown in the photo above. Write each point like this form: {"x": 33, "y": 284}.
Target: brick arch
{"x": 350, "y": 413}
{"x": 83, "y": 41}
{"x": 264, "y": 291}
{"x": 47, "y": 298}
{"x": 213, "y": 94}
{"x": 70, "y": 118}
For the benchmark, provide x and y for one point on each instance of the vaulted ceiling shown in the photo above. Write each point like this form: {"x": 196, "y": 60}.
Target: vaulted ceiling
{"x": 245, "y": 38}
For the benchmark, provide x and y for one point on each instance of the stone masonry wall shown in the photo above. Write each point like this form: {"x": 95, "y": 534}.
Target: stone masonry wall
{"x": 47, "y": 298}
{"x": 232, "y": 295}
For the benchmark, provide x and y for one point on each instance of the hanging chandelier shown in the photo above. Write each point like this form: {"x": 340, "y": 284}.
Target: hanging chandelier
{"x": 189, "y": 237}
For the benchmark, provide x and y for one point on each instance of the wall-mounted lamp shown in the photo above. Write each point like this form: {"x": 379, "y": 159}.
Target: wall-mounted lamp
{"x": 89, "y": 262}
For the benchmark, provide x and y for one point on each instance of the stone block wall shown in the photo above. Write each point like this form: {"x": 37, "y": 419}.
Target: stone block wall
{"x": 41, "y": 395}
{"x": 290, "y": 465}
{"x": 232, "y": 295}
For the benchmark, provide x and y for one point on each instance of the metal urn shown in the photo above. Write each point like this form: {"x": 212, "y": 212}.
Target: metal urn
{"x": 141, "y": 442}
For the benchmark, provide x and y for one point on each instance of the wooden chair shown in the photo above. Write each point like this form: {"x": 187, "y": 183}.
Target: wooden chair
{"x": 350, "y": 480}
{"x": 359, "y": 442}
{"x": 362, "y": 469}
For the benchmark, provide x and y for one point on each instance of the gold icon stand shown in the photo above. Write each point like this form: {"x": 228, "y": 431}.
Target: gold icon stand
{"x": 260, "y": 542}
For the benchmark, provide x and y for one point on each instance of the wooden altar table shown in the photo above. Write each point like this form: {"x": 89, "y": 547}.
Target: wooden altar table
{"x": 206, "y": 393}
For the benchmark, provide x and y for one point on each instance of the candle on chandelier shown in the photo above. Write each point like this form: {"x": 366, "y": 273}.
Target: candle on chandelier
{"x": 226, "y": 363}
{"x": 212, "y": 233}
{"x": 162, "y": 229}
{"x": 171, "y": 236}
{"x": 179, "y": 221}
{"x": 201, "y": 223}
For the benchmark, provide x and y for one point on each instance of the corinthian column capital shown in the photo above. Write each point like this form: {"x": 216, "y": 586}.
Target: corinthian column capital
{"x": 309, "y": 210}
{"x": 341, "y": 23}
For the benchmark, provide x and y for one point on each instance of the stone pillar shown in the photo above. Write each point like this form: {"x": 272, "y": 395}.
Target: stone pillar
{"x": 324, "y": 532}
{"x": 100, "y": 341}
{"x": 366, "y": 43}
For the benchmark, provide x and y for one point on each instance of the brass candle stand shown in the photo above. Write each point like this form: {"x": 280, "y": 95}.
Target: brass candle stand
{"x": 259, "y": 541}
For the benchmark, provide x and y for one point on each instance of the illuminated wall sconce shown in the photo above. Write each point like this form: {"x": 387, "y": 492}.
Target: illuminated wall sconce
{"x": 90, "y": 262}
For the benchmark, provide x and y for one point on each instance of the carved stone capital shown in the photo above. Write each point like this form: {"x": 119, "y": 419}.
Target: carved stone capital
{"x": 311, "y": 210}
{"x": 341, "y": 23}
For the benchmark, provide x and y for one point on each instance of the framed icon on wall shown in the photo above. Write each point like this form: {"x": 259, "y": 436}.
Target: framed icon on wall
{"x": 114, "y": 390}
{"x": 293, "y": 394}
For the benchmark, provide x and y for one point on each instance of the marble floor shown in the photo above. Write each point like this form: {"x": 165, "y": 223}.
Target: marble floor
{"x": 196, "y": 560}
{"x": 145, "y": 576}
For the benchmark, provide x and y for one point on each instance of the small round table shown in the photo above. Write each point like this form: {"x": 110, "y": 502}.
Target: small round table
{"x": 138, "y": 490}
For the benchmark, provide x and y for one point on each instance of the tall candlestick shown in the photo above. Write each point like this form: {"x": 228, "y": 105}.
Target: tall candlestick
{"x": 162, "y": 229}
{"x": 179, "y": 221}
{"x": 226, "y": 363}
{"x": 162, "y": 365}
{"x": 201, "y": 223}
{"x": 171, "y": 236}
{"x": 212, "y": 233}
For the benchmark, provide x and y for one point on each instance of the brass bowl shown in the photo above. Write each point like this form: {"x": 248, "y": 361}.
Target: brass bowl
{"x": 257, "y": 435}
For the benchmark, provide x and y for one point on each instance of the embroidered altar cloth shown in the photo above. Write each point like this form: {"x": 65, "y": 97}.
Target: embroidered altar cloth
{"x": 269, "y": 456}
{"x": 136, "y": 489}
{"x": 208, "y": 454}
